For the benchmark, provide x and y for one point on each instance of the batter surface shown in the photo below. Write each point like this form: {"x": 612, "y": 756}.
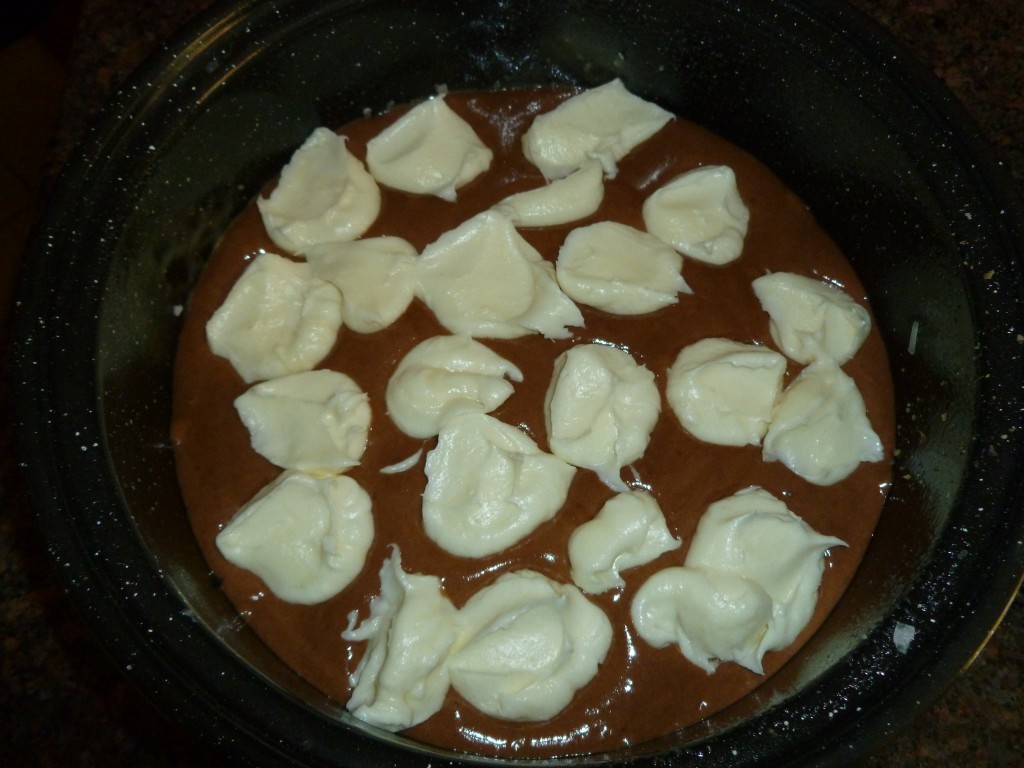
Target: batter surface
{"x": 640, "y": 692}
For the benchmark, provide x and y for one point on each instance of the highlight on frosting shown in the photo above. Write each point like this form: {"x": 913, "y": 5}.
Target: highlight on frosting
{"x": 429, "y": 151}
{"x": 306, "y": 537}
{"x": 700, "y": 213}
{"x": 748, "y": 585}
{"x": 519, "y": 649}
{"x": 603, "y": 123}
{"x": 812, "y": 319}
{"x": 444, "y": 376}
{"x": 562, "y": 201}
{"x": 376, "y": 277}
{"x": 484, "y": 279}
{"x": 402, "y": 677}
{"x": 324, "y": 194}
{"x": 277, "y": 319}
{"x": 488, "y": 486}
{"x": 724, "y": 391}
{"x": 820, "y": 427}
{"x": 628, "y": 531}
{"x": 619, "y": 269}
{"x": 600, "y": 409}
{"x": 527, "y": 645}
{"x": 316, "y": 422}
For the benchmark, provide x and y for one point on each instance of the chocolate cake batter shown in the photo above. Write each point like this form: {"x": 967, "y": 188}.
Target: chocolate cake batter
{"x": 640, "y": 692}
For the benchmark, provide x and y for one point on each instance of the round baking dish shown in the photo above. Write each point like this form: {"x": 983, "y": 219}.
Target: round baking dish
{"x": 883, "y": 155}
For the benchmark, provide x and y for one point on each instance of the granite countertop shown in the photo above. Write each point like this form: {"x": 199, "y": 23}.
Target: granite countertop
{"x": 64, "y": 703}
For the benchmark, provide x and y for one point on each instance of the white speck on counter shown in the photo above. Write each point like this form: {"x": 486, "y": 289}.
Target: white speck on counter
{"x": 903, "y": 636}
{"x": 912, "y": 344}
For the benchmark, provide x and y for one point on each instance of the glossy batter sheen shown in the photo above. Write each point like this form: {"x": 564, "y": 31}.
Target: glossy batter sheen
{"x": 640, "y": 692}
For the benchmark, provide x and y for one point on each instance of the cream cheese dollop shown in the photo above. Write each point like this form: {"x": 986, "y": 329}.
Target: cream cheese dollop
{"x": 602, "y": 123}
{"x": 276, "y": 319}
{"x": 324, "y": 194}
{"x": 444, "y": 376}
{"x": 701, "y": 214}
{"x": 723, "y": 391}
{"x": 317, "y": 422}
{"x": 628, "y": 531}
{"x": 600, "y": 409}
{"x": 820, "y": 428}
{"x": 402, "y": 678}
{"x": 562, "y": 201}
{"x": 711, "y": 615}
{"x": 810, "y": 319}
{"x": 619, "y": 269}
{"x": 306, "y": 537}
{"x": 489, "y": 486}
{"x": 376, "y": 277}
{"x": 527, "y": 645}
{"x": 749, "y": 584}
{"x": 754, "y": 535}
{"x": 484, "y": 279}
{"x": 429, "y": 151}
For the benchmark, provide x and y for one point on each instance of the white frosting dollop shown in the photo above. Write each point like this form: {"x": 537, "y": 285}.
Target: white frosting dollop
{"x": 628, "y": 531}
{"x": 754, "y": 535}
{"x": 324, "y": 194}
{"x": 489, "y": 486}
{"x": 723, "y": 391}
{"x": 749, "y": 584}
{"x": 315, "y": 421}
{"x": 619, "y": 269}
{"x": 810, "y": 319}
{"x": 527, "y": 644}
{"x": 600, "y": 409}
{"x": 444, "y": 376}
{"x": 376, "y": 277}
{"x": 701, "y": 214}
{"x": 429, "y": 151}
{"x": 565, "y": 200}
{"x": 713, "y": 616}
{"x": 402, "y": 678}
{"x": 603, "y": 123}
{"x": 484, "y": 279}
{"x": 306, "y": 537}
{"x": 277, "y": 319}
{"x": 820, "y": 428}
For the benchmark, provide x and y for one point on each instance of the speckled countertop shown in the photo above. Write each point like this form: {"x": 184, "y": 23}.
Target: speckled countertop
{"x": 63, "y": 703}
